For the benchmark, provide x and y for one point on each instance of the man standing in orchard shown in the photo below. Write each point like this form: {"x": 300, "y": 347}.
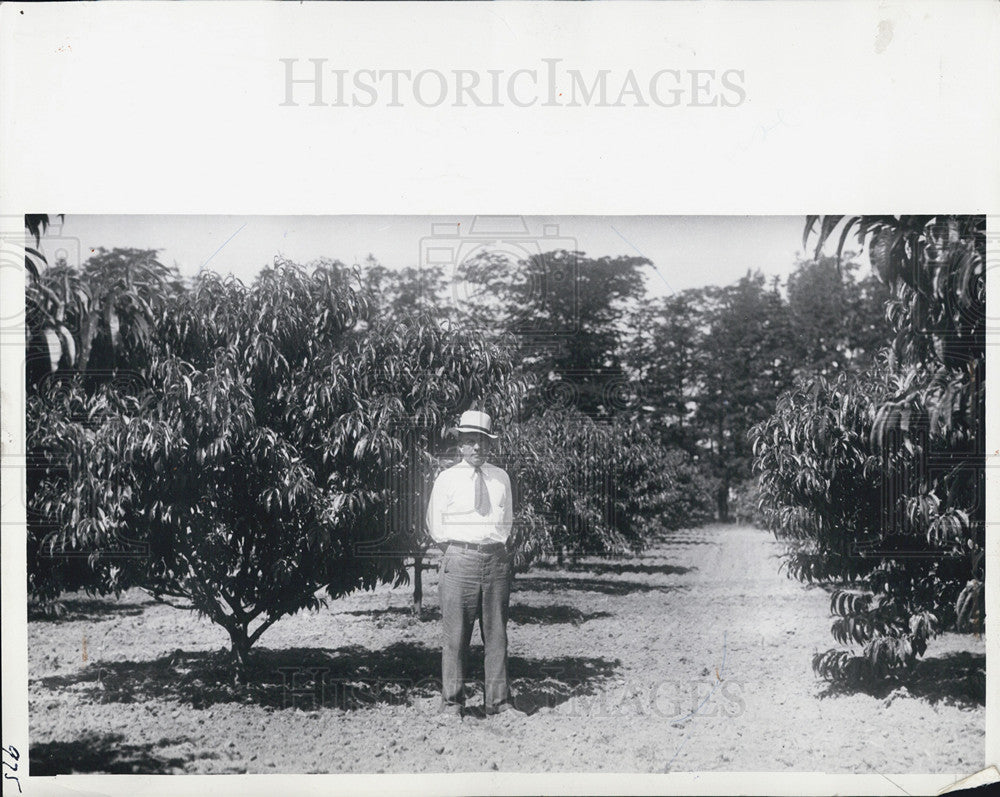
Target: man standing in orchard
{"x": 470, "y": 515}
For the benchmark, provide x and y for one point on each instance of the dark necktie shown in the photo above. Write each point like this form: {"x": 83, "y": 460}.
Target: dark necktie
{"x": 483, "y": 506}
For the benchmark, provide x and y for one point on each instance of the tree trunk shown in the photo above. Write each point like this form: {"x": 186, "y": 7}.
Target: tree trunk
{"x": 87, "y": 336}
{"x": 240, "y": 651}
{"x": 559, "y": 555}
{"x": 418, "y": 586}
{"x": 722, "y": 496}
{"x": 722, "y": 501}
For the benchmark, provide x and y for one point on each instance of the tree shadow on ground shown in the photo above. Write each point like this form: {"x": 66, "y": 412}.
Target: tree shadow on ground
{"x": 102, "y": 752}
{"x": 956, "y": 678}
{"x": 661, "y": 542}
{"x": 550, "y": 584}
{"x": 520, "y": 614}
{"x": 348, "y": 678}
{"x": 601, "y": 568}
{"x": 545, "y": 615}
{"x": 86, "y": 609}
{"x": 403, "y": 612}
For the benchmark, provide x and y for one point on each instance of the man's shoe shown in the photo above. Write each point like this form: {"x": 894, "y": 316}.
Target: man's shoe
{"x": 448, "y": 713}
{"x": 508, "y": 707}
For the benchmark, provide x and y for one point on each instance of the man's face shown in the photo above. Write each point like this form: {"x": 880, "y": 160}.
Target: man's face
{"x": 474, "y": 448}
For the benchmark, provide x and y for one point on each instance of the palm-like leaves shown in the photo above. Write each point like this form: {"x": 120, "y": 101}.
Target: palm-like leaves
{"x": 111, "y": 304}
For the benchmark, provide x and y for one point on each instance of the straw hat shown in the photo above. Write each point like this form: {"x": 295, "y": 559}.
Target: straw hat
{"x": 476, "y": 422}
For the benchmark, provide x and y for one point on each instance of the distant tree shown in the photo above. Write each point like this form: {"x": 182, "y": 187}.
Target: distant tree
{"x": 712, "y": 362}
{"x": 745, "y": 362}
{"x": 838, "y": 321}
{"x": 408, "y": 291}
{"x": 664, "y": 351}
{"x": 599, "y": 488}
{"x": 567, "y": 498}
{"x": 566, "y": 311}
{"x": 660, "y": 486}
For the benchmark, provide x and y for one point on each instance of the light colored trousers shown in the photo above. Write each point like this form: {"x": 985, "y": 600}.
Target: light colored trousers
{"x": 473, "y": 582}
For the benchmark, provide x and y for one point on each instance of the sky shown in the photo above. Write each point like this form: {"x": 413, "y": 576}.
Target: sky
{"x": 686, "y": 251}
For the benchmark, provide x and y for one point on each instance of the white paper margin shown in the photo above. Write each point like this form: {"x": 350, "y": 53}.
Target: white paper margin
{"x": 174, "y": 108}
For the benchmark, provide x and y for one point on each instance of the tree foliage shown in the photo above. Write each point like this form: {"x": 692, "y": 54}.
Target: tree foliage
{"x": 838, "y": 321}
{"x": 85, "y": 328}
{"x": 876, "y": 481}
{"x": 585, "y": 487}
{"x": 260, "y": 464}
{"x": 98, "y": 317}
{"x": 563, "y": 310}
{"x": 713, "y": 361}
{"x": 589, "y": 476}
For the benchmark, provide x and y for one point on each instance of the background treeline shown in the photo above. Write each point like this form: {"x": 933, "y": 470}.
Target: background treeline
{"x": 246, "y": 449}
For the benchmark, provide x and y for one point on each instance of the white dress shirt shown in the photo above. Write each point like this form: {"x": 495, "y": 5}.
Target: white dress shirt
{"x": 451, "y": 512}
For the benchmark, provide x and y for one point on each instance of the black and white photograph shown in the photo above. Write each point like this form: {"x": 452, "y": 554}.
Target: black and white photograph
{"x": 478, "y": 398}
{"x": 502, "y": 493}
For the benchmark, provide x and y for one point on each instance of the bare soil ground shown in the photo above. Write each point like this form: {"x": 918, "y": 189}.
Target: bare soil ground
{"x": 695, "y": 656}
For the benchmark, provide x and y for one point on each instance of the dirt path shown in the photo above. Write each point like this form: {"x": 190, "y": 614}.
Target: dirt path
{"x": 696, "y": 656}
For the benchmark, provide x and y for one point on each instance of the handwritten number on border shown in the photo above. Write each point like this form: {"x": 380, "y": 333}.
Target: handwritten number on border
{"x": 12, "y": 752}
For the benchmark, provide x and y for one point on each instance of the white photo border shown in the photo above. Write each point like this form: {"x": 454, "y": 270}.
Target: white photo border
{"x": 177, "y": 108}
